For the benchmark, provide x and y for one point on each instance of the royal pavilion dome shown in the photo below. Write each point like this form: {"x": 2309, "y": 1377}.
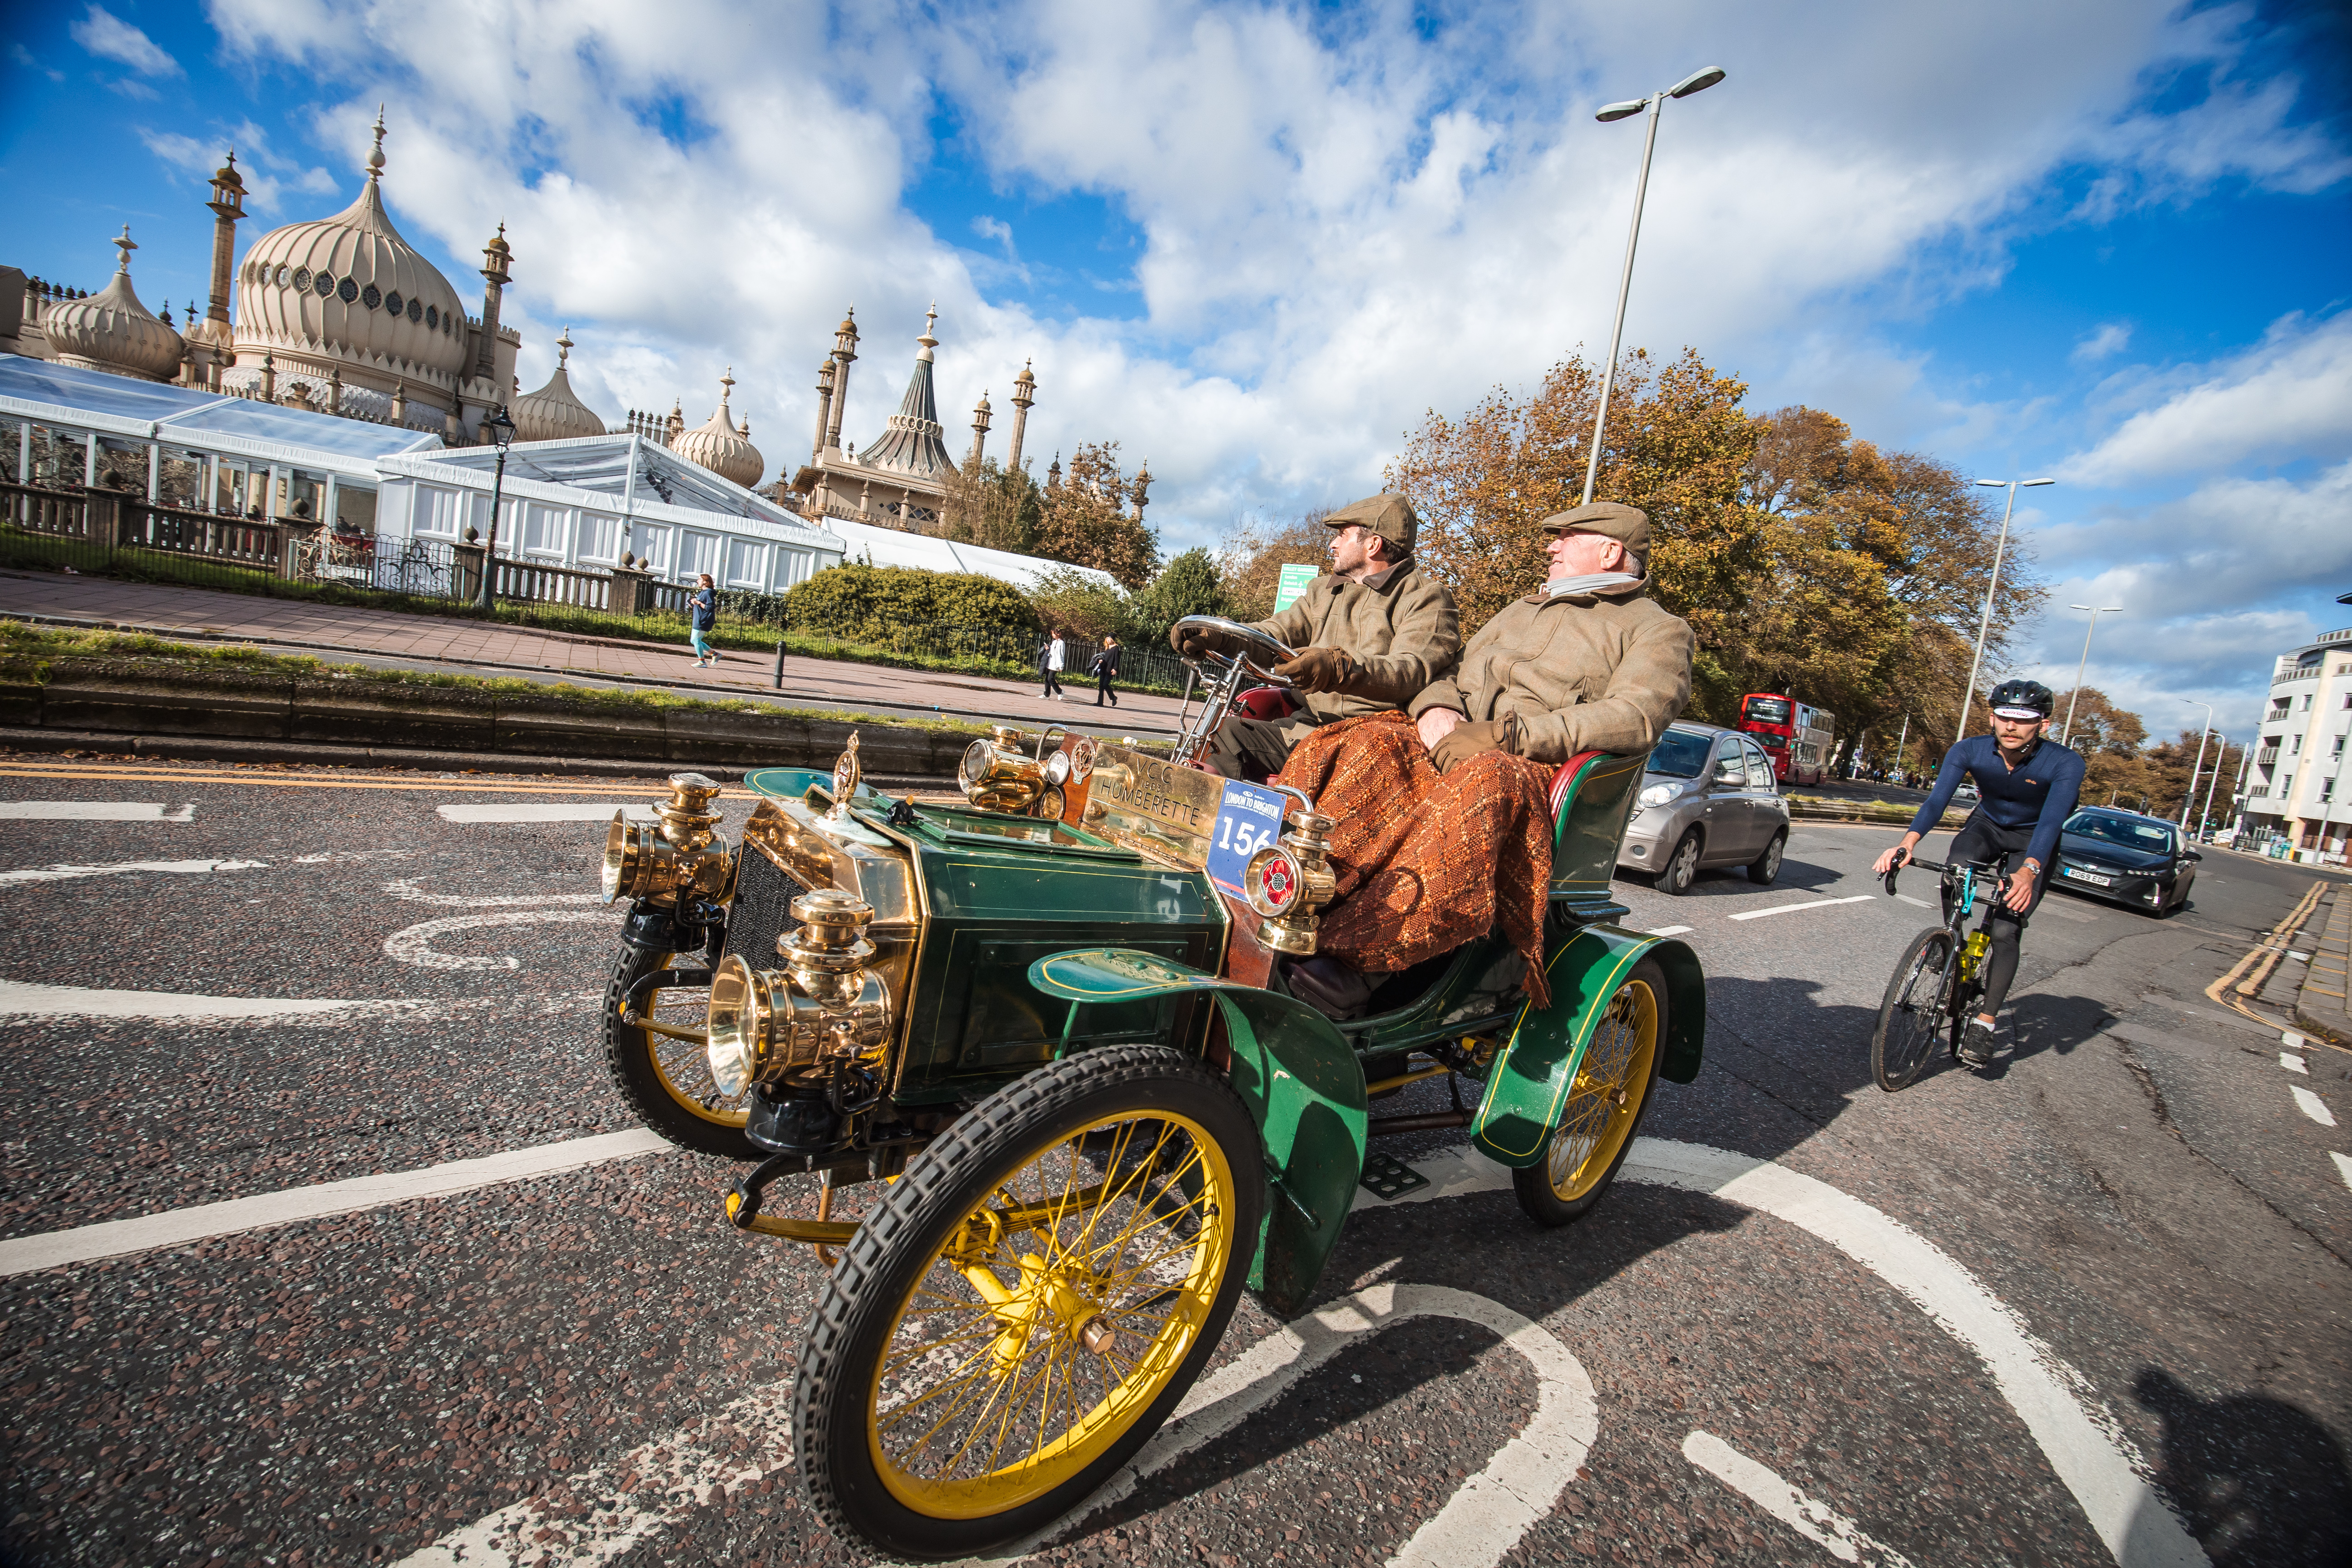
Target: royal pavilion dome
{"x": 111, "y": 330}
{"x": 348, "y": 293}
{"x": 554, "y": 413}
{"x": 720, "y": 446}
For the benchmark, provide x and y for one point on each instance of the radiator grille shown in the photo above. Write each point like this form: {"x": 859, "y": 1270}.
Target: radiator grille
{"x": 762, "y": 911}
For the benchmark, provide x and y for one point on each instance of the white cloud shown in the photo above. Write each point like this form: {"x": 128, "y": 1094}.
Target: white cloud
{"x": 24, "y": 57}
{"x": 268, "y": 176}
{"x": 2109, "y": 340}
{"x": 998, "y": 230}
{"x": 108, "y": 37}
{"x": 2290, "y": 396}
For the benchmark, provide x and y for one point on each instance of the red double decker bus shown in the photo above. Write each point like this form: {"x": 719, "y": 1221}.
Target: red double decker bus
{"x": 1795, "y": 736}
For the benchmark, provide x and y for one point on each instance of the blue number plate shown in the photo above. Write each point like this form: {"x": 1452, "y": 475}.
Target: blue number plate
{"x": 1248, "y": 819}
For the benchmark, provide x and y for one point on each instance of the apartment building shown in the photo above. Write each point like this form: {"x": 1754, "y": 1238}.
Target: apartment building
{"x": 2295, "y": 787}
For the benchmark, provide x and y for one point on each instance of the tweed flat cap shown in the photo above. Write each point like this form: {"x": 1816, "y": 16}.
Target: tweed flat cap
{"x": 1389, "y": 516}
{"x": 1628, "y": 525}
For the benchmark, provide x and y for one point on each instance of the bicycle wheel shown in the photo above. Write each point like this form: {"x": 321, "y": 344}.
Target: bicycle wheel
{"x": 1911, "y": 1016}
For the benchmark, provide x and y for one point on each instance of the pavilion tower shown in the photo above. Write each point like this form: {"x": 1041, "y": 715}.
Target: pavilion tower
{"x": 1025, "y": 393}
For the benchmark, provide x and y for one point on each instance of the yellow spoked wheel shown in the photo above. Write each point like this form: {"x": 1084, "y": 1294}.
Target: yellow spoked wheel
{"x": 1029, "y": 1303}
{"x": 1603, "y": 1105}
{"x": 661, "y": 1068}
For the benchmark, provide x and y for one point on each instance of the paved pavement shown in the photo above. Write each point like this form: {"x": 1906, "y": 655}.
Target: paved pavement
{"x": 388, "y": 638}
{"x": 2042, "y": 1315}
{"x": 2321, "y": 997}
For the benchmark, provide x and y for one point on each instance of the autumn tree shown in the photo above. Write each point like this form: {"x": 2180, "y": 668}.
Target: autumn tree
{"x": 1188, "y": 585}
{"x": 994, "y": 507}
{"x": 1254, "y": 552}
{"x": 1677, "y": 445}
{"x": 1086, "y": 520}
{"x": 2171, "y": 766}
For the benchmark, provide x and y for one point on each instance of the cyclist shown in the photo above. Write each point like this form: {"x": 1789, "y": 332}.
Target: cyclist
{"x": 2026, "y": 785}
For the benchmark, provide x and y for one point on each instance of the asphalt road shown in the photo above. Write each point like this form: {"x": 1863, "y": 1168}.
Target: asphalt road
{"x": 2076, "y": 1309}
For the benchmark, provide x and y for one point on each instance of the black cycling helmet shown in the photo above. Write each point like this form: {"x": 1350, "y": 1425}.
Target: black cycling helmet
{"x": 2023, "y": 700}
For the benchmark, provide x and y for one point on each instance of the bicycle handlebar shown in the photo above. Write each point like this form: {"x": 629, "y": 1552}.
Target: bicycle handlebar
{"x": 2000, "y": 885}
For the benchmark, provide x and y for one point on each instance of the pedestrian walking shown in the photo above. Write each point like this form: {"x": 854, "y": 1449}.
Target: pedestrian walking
{"x": 1051, "y": 660}
{"x": 704, "y": 608}
{"x": 1105, "y": 671}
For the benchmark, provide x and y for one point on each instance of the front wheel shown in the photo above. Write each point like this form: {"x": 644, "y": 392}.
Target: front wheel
{"x": 1912, "y": 1013}
{"x": 663, "y": 1072}
{"x": 1682, "y": 867}
{"x": 1028, "y": 1304}
{"x": 1604, "y": 1105}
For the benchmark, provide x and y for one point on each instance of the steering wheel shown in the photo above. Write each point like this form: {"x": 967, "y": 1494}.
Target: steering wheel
{"x": 1258, "y": 652}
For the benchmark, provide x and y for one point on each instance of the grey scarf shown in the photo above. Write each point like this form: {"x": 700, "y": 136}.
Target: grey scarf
{"x": 1590, "y": 583}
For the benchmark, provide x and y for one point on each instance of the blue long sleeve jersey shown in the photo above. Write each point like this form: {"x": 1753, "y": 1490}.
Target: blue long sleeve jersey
{"x": 2041, "y": 793}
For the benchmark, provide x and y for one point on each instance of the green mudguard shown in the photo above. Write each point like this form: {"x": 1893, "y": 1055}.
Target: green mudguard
{"x": 1538, "y": 1061}
{"x": 1299, "y": 1080}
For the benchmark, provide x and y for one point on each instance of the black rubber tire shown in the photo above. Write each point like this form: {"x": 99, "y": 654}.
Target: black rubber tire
{"x": 1765, "y": 867}
{"x": 628, "y": 1056}
{"x": 1911, "y": 1020}
{"x": 1680, "y": 869}
{"x": 1532, "y": 1184}
{"x": 950, "y": 1178}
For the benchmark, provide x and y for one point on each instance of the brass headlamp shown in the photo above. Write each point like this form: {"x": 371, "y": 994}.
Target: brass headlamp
{"x": 1290, "y": 880}
{"x": 995, "y": 776}
{"x": 682, "y": 853}
{"x": 825, "y": 1004}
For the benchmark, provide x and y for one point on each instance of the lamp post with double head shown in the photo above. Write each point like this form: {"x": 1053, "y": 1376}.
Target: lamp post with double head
{"x": 2190, "y": 799}
{"x": 2076, "y": 695}
{"x": 1968, "y": 693}
{"x": 501, "y": 431}
{"x": 1698, "y": 81}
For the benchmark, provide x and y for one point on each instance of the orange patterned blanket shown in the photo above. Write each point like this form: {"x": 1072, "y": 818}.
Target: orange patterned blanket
{"x": 1425, "y": 861}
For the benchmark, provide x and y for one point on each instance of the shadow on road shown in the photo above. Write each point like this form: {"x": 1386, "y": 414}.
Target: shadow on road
{"x": 2259, "y": 1481}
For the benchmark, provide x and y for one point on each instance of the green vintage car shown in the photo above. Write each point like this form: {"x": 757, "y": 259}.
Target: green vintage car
{"x": 1050, "y": 1024}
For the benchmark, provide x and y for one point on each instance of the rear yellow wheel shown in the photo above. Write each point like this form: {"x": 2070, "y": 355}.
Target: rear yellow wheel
{"x": 1029, "y": 1303}
{"x": 1603, "y": 1105}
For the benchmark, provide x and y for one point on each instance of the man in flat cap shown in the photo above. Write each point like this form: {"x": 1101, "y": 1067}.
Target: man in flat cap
{"x": 1584, "y": 663}
{"x": 1370, "y": 635}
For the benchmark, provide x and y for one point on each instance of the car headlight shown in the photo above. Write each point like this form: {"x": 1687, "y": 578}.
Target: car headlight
{"x": 1658, "y": 795}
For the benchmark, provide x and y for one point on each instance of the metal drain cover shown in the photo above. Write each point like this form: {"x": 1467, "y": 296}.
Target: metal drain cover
{"x": 1390, "y": 1178}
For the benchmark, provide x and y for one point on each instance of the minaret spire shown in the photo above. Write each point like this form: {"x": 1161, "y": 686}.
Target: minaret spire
{"x": 845, "y": 353}
{"x": 980, "y": 420}
{"x": 1025, "y": 393}
{"x": 375, "y": 155}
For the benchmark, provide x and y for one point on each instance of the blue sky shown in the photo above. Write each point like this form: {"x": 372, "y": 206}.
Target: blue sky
{"x": 2103, "y": 241}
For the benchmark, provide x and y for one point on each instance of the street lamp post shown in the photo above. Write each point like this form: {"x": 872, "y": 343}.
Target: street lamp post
{"x": 1698, "y": 81}
{"x": 2076, "y": 695}
{"x": 2198, "y": 766}
{"x": 2205, "y": 817}
{"x": 501, "y": 431}
{"x": 1960, "y": 731}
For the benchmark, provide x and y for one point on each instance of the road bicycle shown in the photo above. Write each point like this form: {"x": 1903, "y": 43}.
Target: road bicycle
{"x": 1940, "y": 976}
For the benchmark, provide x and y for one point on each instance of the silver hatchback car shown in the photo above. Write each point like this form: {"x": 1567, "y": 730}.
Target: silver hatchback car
{"x": 1707, "y": 799}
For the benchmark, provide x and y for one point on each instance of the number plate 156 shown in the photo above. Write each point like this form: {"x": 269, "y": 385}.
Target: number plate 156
{"x": 1249, "y": 818}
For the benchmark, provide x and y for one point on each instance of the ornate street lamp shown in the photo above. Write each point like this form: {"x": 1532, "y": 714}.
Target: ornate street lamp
{"x": 501, "y": 431}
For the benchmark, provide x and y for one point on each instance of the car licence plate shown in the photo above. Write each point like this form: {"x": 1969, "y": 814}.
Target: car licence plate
{"x": 2091, "y": 877}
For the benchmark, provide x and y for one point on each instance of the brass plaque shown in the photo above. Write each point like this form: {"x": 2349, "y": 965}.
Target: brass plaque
{"x": 1136, "y": 800}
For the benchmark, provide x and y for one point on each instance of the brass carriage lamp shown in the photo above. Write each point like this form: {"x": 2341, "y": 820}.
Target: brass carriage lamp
{"x": 824, "y": 1005}
{"x": 1289, "y": 880}
{"x": 995, "y": 776}
{"x": 682, "y": 853}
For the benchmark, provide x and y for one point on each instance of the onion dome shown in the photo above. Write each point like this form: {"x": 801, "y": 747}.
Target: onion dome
{"x": 351, "y": 287}
{"x": 111, "y": 330}
{"x": 719, "y": 447}
{"x": 554, "y": 413}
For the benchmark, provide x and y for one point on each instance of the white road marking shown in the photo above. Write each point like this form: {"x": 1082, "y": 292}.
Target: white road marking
{"x": 406, "y": 888}
{"x": 2311, "y": 1105}
{"x": 2290, "y": 1039}
{"x": 122, "y": 867}
{"x": 180, "y": 1227}
{"x": 2293, "y": 1063}
{"x": 18, "y": 1000}
{"x": 2343, "y": 1166}
{"x": 1816, "y": 1522}
{"x": 94, "y": 811}
{"x": 413, "y": 945}
{"x": 1810, "y": 904}
{"x": 522, "y": 811}
{"x": 1670, "y": 931}
{"x": 1917, "y": 904}
{"x": 2085, "y": 1444}
{"x": 1476, "y": 1528}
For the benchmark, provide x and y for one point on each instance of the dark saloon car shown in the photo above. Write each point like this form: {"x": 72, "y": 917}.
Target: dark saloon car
{"x": 2126, "y": 858}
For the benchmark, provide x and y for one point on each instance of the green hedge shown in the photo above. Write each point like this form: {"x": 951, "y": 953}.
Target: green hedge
{"x": 868, "y": 604}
